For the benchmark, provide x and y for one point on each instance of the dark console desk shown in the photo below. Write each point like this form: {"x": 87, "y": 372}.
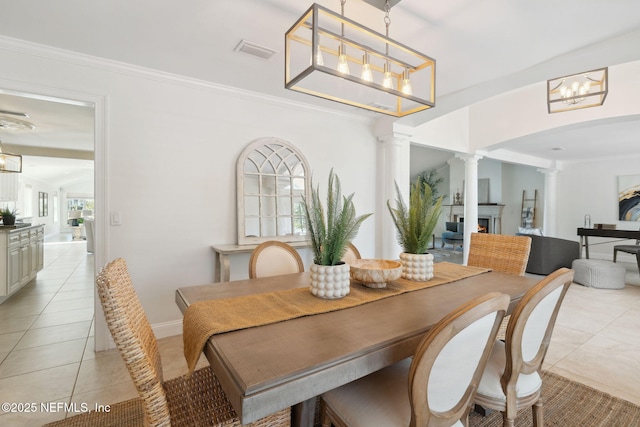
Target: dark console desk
{"x": 584, "y": 234}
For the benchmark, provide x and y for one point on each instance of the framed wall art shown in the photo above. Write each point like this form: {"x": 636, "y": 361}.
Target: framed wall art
{"x": 43, "y": 204}
{"x": 629, "y": 198}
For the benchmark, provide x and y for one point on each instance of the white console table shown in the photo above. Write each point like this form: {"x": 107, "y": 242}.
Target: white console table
{"x": 222, "y": 270}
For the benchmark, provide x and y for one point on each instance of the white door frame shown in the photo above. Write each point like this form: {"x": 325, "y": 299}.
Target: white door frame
{"x": 99, "y": 102}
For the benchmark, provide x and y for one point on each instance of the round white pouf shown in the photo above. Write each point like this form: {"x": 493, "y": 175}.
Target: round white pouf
{"x": 596, "y": 273}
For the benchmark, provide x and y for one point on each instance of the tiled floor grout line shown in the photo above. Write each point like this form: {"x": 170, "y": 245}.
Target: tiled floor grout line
{"x": 82, "y": 360}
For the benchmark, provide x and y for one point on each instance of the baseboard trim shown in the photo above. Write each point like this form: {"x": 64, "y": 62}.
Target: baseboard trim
{"x": 167, "y": 329}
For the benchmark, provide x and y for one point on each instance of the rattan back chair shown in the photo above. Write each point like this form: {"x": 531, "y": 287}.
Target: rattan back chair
{"x": 436, "y": 386}
{"x": 500, "y": 252}
{"x": 194, "y": 400}
{"x": 272, "y": 258}
{"x": 512, "y": 378}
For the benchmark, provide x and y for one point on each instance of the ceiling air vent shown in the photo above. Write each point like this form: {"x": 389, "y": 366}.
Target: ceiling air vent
{"x": 254, "y": 49}
{"x": 381, "y": 106}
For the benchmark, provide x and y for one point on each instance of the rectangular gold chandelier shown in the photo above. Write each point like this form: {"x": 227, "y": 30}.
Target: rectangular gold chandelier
{"x": 576, "y": 91}
{"x": 332, "y": 57}
{"x": 9, "y": 162}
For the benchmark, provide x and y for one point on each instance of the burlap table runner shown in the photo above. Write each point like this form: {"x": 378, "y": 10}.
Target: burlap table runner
{"x": 203, "y": 319}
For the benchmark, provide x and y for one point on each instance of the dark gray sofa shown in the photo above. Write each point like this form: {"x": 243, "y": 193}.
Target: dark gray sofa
{"x": 550, "y": 253}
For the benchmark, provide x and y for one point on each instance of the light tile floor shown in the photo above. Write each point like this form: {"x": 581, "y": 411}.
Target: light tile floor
{"x": 46, "y": 342}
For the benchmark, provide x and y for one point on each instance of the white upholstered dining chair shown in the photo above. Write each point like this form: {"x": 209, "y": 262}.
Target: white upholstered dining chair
{"x": 272, "y": 258}
{"x": 512, "y": 378}
{"x": 351, "y": 253}
{"x": 436, "y": 386}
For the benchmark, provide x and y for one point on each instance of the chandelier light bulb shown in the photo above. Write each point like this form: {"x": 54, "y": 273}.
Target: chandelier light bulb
{"x": 366, "y": 74}
{"x": 574, "y": 87}
{"x": 343, "y": 65}
{"x": 563, "y": 91}
{"x": 406, "y": 83}
{"x": 387, "y": 80}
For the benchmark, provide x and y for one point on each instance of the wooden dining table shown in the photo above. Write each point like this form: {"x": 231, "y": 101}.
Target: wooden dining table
{"x": 267, "y": 368}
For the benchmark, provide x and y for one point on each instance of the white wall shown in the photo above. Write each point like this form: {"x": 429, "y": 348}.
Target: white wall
{"x": 592, "y": 188}
{"x": 487, "y": 169}
{"x": 171, "y": 146}
{"x": 519, "y": 116}
{"x": 515, "y": 179}
{"x": 40, "y": 186}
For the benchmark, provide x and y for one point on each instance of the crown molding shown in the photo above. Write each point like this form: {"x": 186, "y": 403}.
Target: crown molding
{"x": 84, "y": 60}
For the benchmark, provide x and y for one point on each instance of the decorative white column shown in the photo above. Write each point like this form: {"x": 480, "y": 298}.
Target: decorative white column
{"x": 549, "y": 213}
{"x": 470, "y": 200}
{"x": 393, "y": 166}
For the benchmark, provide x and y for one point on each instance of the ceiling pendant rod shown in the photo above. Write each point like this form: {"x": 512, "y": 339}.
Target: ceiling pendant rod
{"x": 387, "y": 80}
{"x": 343, "y": 64}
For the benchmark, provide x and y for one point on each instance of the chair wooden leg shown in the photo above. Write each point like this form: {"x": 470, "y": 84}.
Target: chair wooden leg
{"x": 324, "y": 416}
{"x": 506, "y": 421}
{"x": 537, "y": 414}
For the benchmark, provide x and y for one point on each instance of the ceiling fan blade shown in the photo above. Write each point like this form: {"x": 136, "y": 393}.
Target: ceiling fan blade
{"x": 14, "y": 113}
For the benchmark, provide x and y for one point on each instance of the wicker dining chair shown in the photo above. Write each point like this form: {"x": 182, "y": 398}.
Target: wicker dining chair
{"x": 500, "y": 252}
{"x": 194, "y": 400}
{"x": 272, "y": 258}
{"x": 512, "y": 378}
{"x": 436, "y": 386}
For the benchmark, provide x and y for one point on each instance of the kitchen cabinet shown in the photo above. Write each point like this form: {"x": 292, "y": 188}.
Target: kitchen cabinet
{"x": 21, "y": 256}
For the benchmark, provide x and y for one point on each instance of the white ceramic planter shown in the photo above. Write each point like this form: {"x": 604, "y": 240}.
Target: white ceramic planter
{"x": 330, "y": 281}
{"x": 417, "y": 267}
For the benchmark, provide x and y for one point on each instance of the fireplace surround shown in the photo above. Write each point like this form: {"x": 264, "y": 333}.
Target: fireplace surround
{"x": 489, "y": 215}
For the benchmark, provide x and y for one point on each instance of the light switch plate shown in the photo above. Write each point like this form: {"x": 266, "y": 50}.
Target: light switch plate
{"x": 116, "y": 218}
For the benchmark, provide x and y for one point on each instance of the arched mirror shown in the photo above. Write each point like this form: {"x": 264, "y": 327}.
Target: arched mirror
{"x": 272, "y": 178}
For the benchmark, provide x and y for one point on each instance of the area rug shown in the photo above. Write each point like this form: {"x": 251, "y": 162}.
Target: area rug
{"x": 566, "y": 404}
{"x": 570, "y": 404}
{"x": 123, "y": 414}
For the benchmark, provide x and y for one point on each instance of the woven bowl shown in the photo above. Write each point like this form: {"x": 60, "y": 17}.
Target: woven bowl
{"x": 375, "y": 273}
